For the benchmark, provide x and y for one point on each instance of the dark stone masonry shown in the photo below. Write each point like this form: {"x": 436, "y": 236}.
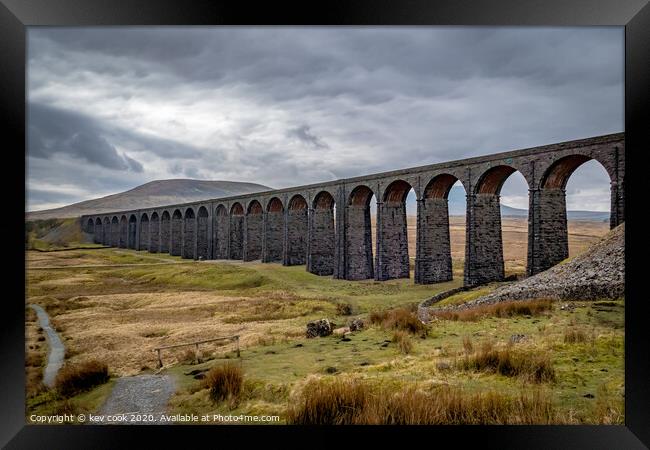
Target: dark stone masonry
{"x": 327, "y": 226}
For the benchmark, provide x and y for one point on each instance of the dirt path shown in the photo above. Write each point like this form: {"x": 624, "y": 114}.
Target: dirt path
{"x": 111, "y": 266}
{"x": 138, "y": 395}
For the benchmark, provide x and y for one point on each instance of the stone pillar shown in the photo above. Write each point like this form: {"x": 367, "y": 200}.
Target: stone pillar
{"x": 221, "y": 236}
{"x": 236, "y": 237}
{"x": 273, "y": 237}
{"x": 483, "y": 245}
{"x": 176, "y": 240}
{"x": 133, "y": 234}
{"x": 124, "y": 233}
{"x": 154, "y": 235}
{"x": 320, "y": 260}
{"x": 358, "y": 246}
{"x": 433, "y": 262}
{"x": 253, "y": 225}
{"x": 340, "y": 249}
{"x": 296, "y": 237}
{"x": 202, "y": 237}
{"x": 392, "y": 241}
{"x": 165, "y": 234}
{"x": 189, "y": 237}
{"x": 143, "y": 240}
{"x": 548, "y": 242}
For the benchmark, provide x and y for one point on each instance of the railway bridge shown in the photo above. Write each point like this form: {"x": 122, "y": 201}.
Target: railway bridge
{"x": 327, "y": 226}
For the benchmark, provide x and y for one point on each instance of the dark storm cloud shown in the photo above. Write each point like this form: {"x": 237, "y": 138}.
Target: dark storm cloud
{"x": 53, "y": 131}
{"x": 245, "y": 103}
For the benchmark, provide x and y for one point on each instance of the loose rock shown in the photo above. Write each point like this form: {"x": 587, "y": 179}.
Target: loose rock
{"x": 319, "y": 328}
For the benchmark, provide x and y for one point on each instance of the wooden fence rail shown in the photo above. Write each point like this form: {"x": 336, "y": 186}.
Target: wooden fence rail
{"x": 235, "y": 339}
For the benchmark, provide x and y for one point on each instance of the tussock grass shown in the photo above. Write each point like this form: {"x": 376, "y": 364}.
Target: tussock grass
{"x": 403, "y": 319}
{"x": 501, "y": 309}
{"x": 574, "y": 336}
{"x": 224, "y": 382}
{"x": 344, "y": 309}
{"x": 356, "y": 402}
{"x": 73, "y": 379}
{"x": 534, "y": 367}
{"x": 403, "y": 341}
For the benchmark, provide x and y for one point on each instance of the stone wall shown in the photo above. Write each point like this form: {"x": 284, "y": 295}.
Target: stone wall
{"x": 189, "y": 236}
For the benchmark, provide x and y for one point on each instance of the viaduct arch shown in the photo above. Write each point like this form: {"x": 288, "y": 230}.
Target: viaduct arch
{"x": 327, "y": 226}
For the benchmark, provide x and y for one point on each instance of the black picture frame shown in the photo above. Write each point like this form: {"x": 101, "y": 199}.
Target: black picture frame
{"x": 16, "y": 15}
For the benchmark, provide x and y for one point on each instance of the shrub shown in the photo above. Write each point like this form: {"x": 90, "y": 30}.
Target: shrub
{"x": 404, "y": 343}
{"x": 574, "y": 336}
{"x": 356, "y": 402}
{"x": 224, "y": 382}
{"x": 344, "y": 309}
{"x": 73, "y": 379}
{"x": 403, "y": 319}
{"x": 508, "y": 362}
{"x": 501, "y": 309}
{"x": 467, "y": 345}
{"x": 329, "y": 403}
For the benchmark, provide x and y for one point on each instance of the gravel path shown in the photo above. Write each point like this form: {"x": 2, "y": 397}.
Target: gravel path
{"x": 141, "y": 394}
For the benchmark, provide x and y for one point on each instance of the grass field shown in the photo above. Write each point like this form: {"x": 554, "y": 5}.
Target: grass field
{"x": 119, "y": 314}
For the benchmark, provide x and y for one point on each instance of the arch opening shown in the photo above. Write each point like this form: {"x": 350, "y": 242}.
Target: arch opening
{"x": 570, "y": 186}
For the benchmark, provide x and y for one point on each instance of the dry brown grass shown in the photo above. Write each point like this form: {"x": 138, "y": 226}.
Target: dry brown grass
{"x": 575, "y": 336}
{"x": 73, "y": 379}
{"x": 501, "y": 309}
{"x": 356, "y": 402}
{"x": 535, "y": 367}
{"x": 403, "y": 341}
{"x": 344, "y": 309}
{"x": 403, "y": 319}
{"x": 468, "y": 346}
{"x": 224, "y": 382}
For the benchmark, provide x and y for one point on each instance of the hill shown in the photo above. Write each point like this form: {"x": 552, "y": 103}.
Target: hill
{"x": 154, "y": 193}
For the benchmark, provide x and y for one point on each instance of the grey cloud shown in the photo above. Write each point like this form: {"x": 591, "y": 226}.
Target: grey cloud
{"x": 304, "y": 134}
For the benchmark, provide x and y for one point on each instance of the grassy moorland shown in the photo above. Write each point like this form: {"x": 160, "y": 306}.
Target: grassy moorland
{"x": 553, "y": 364}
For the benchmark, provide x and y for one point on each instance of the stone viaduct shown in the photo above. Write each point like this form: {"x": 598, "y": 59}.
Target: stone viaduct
{"x": 327, "y": 226}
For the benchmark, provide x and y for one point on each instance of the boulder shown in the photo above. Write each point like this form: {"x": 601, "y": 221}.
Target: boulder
{"x": 357, "y": 324}
{"x": 319, "y": 328}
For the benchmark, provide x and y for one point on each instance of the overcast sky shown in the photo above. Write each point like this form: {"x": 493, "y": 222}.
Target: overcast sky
{"x": 112, "y": 108}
